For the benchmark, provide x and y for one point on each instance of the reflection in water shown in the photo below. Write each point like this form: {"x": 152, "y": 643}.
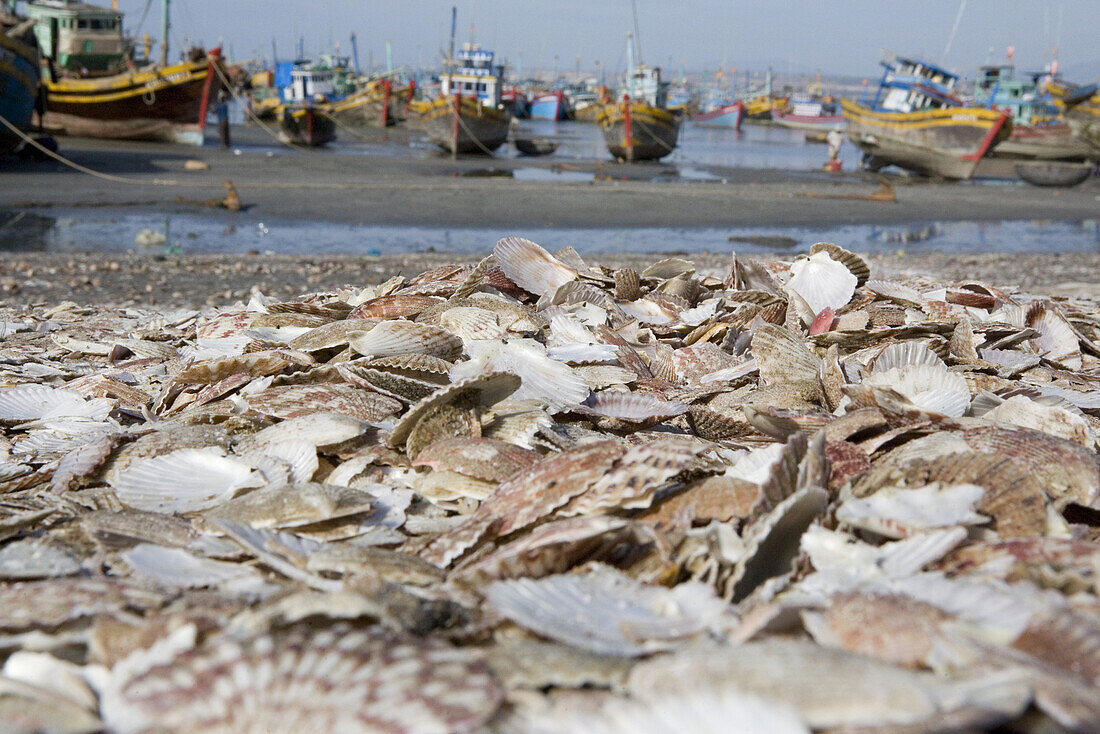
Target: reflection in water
{"x": 215, "y": 232}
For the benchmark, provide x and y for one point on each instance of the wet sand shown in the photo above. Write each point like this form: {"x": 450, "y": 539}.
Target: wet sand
{"x": 419, "y": 188}
{"x": 422, "y": 188}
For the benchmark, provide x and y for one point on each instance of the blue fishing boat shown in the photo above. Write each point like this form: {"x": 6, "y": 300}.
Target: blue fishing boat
{"x": 549, "y": 106}
{"x": 1038, "y": 128}
{"x": 18, "y": 75}
{"x": 915, "y": 120}
{"x": 719, "y": 109}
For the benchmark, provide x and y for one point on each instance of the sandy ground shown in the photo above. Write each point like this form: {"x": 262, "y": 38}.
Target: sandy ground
{"x": 431, "y": 190}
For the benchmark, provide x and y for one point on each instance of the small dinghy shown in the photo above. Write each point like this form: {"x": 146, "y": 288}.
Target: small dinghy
{"x": 535, "y": 146}
{"x": 1055, "y": 173}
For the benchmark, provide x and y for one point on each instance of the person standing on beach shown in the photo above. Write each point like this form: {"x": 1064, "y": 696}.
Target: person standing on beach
{"x": 222, "y": 110}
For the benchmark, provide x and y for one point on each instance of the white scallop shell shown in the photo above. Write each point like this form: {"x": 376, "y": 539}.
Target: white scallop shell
{"x": 902, "y": 354}
{"x": 531, "y": 267}
{"x": 630, "y": 406}
{"x": 31, "y": 558}
{"x": 318, "y": 429}
{"x": 298, "y": 457}
{"x": 650, "y": 312}
{"x": 187, "y": 480}
{"x": 389, "y": 338}
{"x": 896, "y": 292}
{"x": 544, "y": 379}
{"x": 1010, "y": 360}
{"x": 583, "y": 353}
{"x": 37, "y": 402}
{"x": 607, "y": 612}
{"x": 1057, "y": 340}
{"x": 567, "y": 329}
{"x": 175, "y": 567}
{"x": 1019, "y": 410}
{"x": 896, "y": 512}
{"x": 470, "y": 323}
{"x": 822, "y": 282}
{"x": 930, "y": 387}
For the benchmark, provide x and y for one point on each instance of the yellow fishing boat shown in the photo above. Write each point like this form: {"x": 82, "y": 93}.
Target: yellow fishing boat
{"x": 380, "y": 103}
{"x": 1081, "y": 108}
{"x": 637, "y": 131}
{"x": 465, "y": 125}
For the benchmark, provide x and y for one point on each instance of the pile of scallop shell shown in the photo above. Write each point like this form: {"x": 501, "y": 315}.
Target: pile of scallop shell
{"x": 535, "y": 495}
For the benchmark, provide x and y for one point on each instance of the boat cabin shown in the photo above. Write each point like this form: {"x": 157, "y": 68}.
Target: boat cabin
{"x": 644, "y": 83}
{"x": 909, "y": 85}
{"x": 998, "y": 88}
{"x": 80, "y": 39}
{"x": 309, "y": 82}
{"x": 474, "y": 75}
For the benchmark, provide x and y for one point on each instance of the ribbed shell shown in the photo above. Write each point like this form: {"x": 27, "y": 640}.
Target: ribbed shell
{"x": 633, "y": 407}
{"x": 470, "y": 323}
{"x": 483, "y": 390}
{"x": 36, "y": 402}
{"x": 783, "y": 357}
{"x": 530, "y": 266}
{"x": 391, "y": 338}
{"x": 187, "y": 480}
{"x": 296, "y": 401}
{"x": 398, "y": 305}
{"x": 855, "y": 264}
{"x": 256, "y": 364}
{"x": 822, "y": 282}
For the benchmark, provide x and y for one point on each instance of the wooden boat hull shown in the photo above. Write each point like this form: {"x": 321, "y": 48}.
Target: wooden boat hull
{"x": 18, "y": 86}
{"x": 813, "y": 123}
{"x": 306, "y": 126}
{"x": 535, "y": 146}
{"x": 377, "y": 105}
{"x": 1055, "y": 173}
{"x": 652, "y": 131}
{"x": 1051, "y": 141}
{"x": 1082, "y": 112}
{"x": 146, "y": 104}
{"x": 464, "y": 125}
{"x": 944, "y": 142}
{"x": 587, "y": 113}
{"x": 547, "y": 107}
{"x": 729, "y": 116}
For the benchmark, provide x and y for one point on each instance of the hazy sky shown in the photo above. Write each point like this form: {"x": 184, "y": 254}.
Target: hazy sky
{"x": 834, "y": 36}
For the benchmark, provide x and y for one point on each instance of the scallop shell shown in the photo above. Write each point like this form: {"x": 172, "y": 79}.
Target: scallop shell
{"x": 316, "y": 429}
{"x": 627, "y": 284}
{"x": 32, "y": 558}
{"x": 176, "y": 568}
{"x": 931, "y": 387}
{"x": 484, "y": 390}
{"x": 292, "y": 506}
{"x": 297, "y": 401}
{"x": 903, "y": 354}
{"x": 531, "y": 267}
{"x": 391, "y": 338}
{"x": 336, "y": 679}
{"x": 546, "y": 380}
{"x": 38, "y": 402}
{"x": 1019, "y": 410}
{"x": 424, "y": 364}
{"x": 607, "y": 612}
{"x": 1057, "y": 340}
{"x": 630, "y": 407}
{"x": 822, "y": 282}
{"x": 257, "y": 364}
{"x": 187, "y": 480}
{"x": 783, "y": 357}
{"x": 331, "y": 335}
{"x": 481, "y": 458}
{"x": 855, "y": 264}
{"x": 400, "y": 305}
{"x": 469, "y": 323}
{"x": 898, "y": 513}
{"x": 669, "y": 268}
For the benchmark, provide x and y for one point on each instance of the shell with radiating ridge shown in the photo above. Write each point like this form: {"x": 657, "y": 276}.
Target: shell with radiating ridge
{"x": 544, "y": 379}
{"x": 897, "y": 513}
{"x": 530, "y": 266}
{"x": 783, "y": 357}
{"x": 669, "y": 268}
{"x": 390, "y": 338}
{"x": 929, "y": 386}
{"x": 331, "y": 335}
{"x": 177, "y": 568}
{"x": 485, "y": 390}
{"x": 822, "y": 282}
{"x": 1020, "y": 411}
{"x": 701, "y": 358}
{"x": 335, "y": 679}
{"x": 607, "y": 612}
{"x": 634, "y": 407}
{"x": 470, "y": 323}
{"x": 627, "y": 284}
{"x": 1057, "y": 340}
{"x": 399, "y": 305}
{"x": 903, "y": 354}
{"x": 31, "y": 402}
{"x": 896, "y": 292}
{"x": 481, "y": 458}
{"x": 187, "y": 480}
{"x": 855, "y": 264}
{"x": 295, "y": 401}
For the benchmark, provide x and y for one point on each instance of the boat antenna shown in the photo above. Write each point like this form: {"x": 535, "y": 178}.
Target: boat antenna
{"x": 637, "y": 43}
{"x": 954, "y": 30}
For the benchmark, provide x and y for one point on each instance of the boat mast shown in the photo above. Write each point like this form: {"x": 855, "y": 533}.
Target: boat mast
{"x": 630, "y": 64}
{"x": 165, "y": 24}
{"x": 637, "y": 36}
{"x": 355, "y": 53}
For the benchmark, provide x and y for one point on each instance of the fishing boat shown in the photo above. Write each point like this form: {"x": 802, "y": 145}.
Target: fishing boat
{"x": 18, "y": 76}
{"x": 305, "y": 124}
{"x": 809, "y": 112}
{"x": 720, "y": 109}
{"x": 1081, "y": 107}
{"x": 1059, "y": 174}
{"x": 760, "y": 101}
{"x": 1039, "y": 130}
{"x": 916, "y": 121}
{"x": 638, "y": 127}
{"x": 468, "y": 116}
{"x": 97, "y": 88}
{"x": 380, "y": 103}
{"x": 548, "y": 106}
